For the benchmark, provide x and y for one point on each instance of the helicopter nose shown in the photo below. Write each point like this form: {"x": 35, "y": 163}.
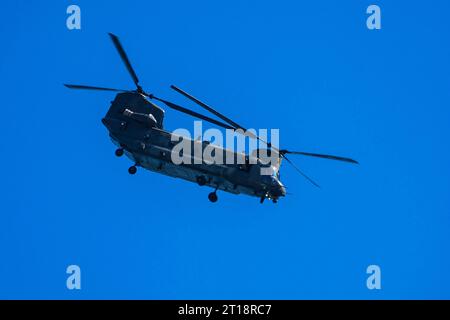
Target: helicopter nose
{"x": 283, "y": 191}
{"x": 279, "y": 191}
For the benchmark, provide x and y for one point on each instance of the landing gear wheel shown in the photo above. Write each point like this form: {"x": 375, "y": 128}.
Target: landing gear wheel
{"x": 119, "y": 152}
{"x": 213, "y": 197}
{"x": 132, "y": 170}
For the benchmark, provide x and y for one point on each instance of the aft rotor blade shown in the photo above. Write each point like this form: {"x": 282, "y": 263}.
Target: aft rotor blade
{"x": 125, "y": 59}
{"x": 323, "y": 156}
{"x": 208, "y": 108}
{"x": 83, "y": 87}
{"x": 193, "y": 113}
{"x": 299, "y": 171}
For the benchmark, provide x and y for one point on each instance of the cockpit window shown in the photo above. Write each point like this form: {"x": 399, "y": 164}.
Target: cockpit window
{"x": 276, "y": 172}
{"x": 272, "y": 171}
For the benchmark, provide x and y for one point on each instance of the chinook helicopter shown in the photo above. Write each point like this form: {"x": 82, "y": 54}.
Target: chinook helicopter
{"x": 135, "y": 126}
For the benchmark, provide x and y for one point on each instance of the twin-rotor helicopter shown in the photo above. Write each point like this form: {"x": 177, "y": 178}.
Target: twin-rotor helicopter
{"x": 135, "y": 126}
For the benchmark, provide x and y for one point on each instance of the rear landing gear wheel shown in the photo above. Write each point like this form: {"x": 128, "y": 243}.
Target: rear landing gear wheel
{"x": 132, "y": 170}
{"x": 119, "y": 152}
{"x": 213, "y": 197}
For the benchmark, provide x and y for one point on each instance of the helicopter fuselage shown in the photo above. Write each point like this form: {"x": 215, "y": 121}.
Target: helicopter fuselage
{"x": 135, "y": 125}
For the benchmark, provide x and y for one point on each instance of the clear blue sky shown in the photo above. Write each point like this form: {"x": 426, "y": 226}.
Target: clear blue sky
{"x": 312, "y": 69}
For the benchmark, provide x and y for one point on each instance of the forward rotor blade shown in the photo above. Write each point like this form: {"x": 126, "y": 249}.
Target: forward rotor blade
{"x": 208, "y": 108}
{"x": 193, "y": 113}
{"x": 299, "y": 171}
{"x": 323, "y": 156}
{"x": 125, "y": 59}
{"x": 82, "y": 87}
{"x": 235, "y": 125}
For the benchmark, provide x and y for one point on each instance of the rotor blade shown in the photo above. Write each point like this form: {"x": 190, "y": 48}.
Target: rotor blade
{"x": 235, "y": 125}
{"x": 82, "y": 87}
{"x": 208, "y": 108}
{"x": 125, "y": 59}
{"x": 193, "y": 113}
{"x": 299, "y": 171}
{"x": 324, "y": 156}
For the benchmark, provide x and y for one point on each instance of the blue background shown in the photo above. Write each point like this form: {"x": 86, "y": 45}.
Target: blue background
{"x": 313, "y": 70}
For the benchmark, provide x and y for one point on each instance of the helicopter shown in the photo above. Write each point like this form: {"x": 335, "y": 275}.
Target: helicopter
{"x": 135, "y": 125}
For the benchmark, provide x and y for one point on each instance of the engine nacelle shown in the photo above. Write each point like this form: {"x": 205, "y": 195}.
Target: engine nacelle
{"x": 145, "y": 118}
